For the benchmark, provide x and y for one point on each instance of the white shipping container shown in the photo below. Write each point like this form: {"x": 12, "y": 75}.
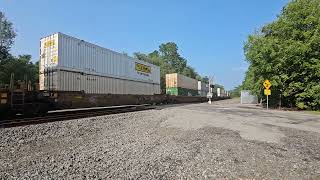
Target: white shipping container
{"x": 203, "y": 88}
{"x": 222, "y": 93}
{"x": 61, "y": 80}
{"x": 71, "y": 64}
{"x": 68, "y": 53}
{"x": 218, "y": 92}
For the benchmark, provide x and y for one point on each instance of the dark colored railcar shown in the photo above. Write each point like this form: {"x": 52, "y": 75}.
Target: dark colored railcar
{"x": 32, "y": 103}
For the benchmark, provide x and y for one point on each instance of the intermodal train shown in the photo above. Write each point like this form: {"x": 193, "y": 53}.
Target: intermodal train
{"x": 74, "y": 73}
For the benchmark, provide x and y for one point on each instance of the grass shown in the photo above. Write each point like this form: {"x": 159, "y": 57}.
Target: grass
{"x": 313, "y": 112}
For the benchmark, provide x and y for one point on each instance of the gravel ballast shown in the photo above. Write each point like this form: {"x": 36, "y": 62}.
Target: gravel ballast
{"x": 153, "y": 145}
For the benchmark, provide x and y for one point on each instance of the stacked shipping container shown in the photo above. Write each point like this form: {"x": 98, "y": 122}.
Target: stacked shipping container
{"x": 222, "y": 92}
{"x": 71, "y": 64}
{"x": 179, "y": 85}
{"x": 203, "y": 89}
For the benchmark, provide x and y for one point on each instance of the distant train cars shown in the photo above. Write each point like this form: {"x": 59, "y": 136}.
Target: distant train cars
{"x": 71, "y": 64}
{"x": 180, "y": 85}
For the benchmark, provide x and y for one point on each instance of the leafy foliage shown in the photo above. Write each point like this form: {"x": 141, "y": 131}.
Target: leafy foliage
{"x": 170, "y": 61}
{"x": 236, "y": 92}
{"x": 21, "y": 66}
{"x": 7, "y": 36}
{"x": 287, "y": 52}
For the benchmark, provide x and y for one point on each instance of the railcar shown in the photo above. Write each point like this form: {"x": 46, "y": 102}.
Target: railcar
{"x": 33, "y": 103}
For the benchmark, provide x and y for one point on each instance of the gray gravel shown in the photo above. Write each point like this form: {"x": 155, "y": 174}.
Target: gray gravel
{"x": 145, "y": 145}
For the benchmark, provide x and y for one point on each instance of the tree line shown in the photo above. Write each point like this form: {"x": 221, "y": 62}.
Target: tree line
{"x": 287, "y": 52}
{"x": 21, "y": 66}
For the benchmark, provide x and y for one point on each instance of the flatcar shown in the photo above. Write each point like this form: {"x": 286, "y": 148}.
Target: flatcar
{"x": 33, "y": 103}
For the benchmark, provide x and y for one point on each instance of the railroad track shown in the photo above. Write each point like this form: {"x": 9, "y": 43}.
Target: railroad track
{"x": 72, "y": 114}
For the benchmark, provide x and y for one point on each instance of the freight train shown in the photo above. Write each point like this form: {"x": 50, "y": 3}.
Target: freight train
{"x": 77, "y": 74}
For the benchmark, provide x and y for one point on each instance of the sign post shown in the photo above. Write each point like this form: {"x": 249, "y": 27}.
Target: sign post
{"x": 267, "y": 90}
{"x": 267, "y": 102}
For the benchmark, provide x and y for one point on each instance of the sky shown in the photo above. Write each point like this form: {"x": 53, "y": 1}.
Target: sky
{"x": 210, "y": 34}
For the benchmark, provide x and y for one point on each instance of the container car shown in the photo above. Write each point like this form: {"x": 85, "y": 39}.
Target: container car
{"x": 33, "y": 103}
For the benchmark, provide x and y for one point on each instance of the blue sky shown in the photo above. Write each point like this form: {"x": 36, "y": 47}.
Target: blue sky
{"x": 210, "y": 33}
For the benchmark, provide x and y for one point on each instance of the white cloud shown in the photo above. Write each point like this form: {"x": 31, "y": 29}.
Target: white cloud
{"x": 240, "y": 68}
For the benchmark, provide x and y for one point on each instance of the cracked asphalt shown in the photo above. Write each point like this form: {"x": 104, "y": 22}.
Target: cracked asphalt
{"x": 224, "y": 140}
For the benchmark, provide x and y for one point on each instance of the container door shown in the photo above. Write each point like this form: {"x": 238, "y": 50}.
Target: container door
{"x": 81, "y": 82}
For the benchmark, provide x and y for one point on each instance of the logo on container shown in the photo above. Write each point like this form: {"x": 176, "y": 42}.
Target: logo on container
{"x": 142, "y": 69}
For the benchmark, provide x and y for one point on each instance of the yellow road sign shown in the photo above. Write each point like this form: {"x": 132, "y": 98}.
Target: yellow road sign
{"x": 267, "y": 84}
{"x": 267, "y": 92}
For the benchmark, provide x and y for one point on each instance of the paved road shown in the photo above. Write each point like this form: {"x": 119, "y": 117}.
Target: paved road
{"x": 195, "y": 141}
{"x": 251, "y": 121}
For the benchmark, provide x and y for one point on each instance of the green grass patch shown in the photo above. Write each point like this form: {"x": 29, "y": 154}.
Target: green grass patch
{"x": 313, "y": 112}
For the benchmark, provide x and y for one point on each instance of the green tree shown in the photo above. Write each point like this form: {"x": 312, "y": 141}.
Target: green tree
{"x": 190, "y": 72}
{"x": 21, "y": 66}
{"x": 169, "y": 53}
{"x": 170, "y": 61}
{"x": 287, "y": 52}
{"x": 236, "y": 92}
{"x": 7, "y": 35}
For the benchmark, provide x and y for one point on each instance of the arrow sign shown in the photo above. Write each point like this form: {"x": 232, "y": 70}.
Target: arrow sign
{"x": 267, "y": 84}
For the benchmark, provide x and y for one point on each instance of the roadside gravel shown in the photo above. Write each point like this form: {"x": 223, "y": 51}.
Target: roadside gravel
{"x": 141, "y": 145}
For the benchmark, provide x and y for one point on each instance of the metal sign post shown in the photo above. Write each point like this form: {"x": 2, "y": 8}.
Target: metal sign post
{"x": 267, "y": 102}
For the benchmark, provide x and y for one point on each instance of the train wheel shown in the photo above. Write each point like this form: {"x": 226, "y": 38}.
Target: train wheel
{"x": 43, "y": 109}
